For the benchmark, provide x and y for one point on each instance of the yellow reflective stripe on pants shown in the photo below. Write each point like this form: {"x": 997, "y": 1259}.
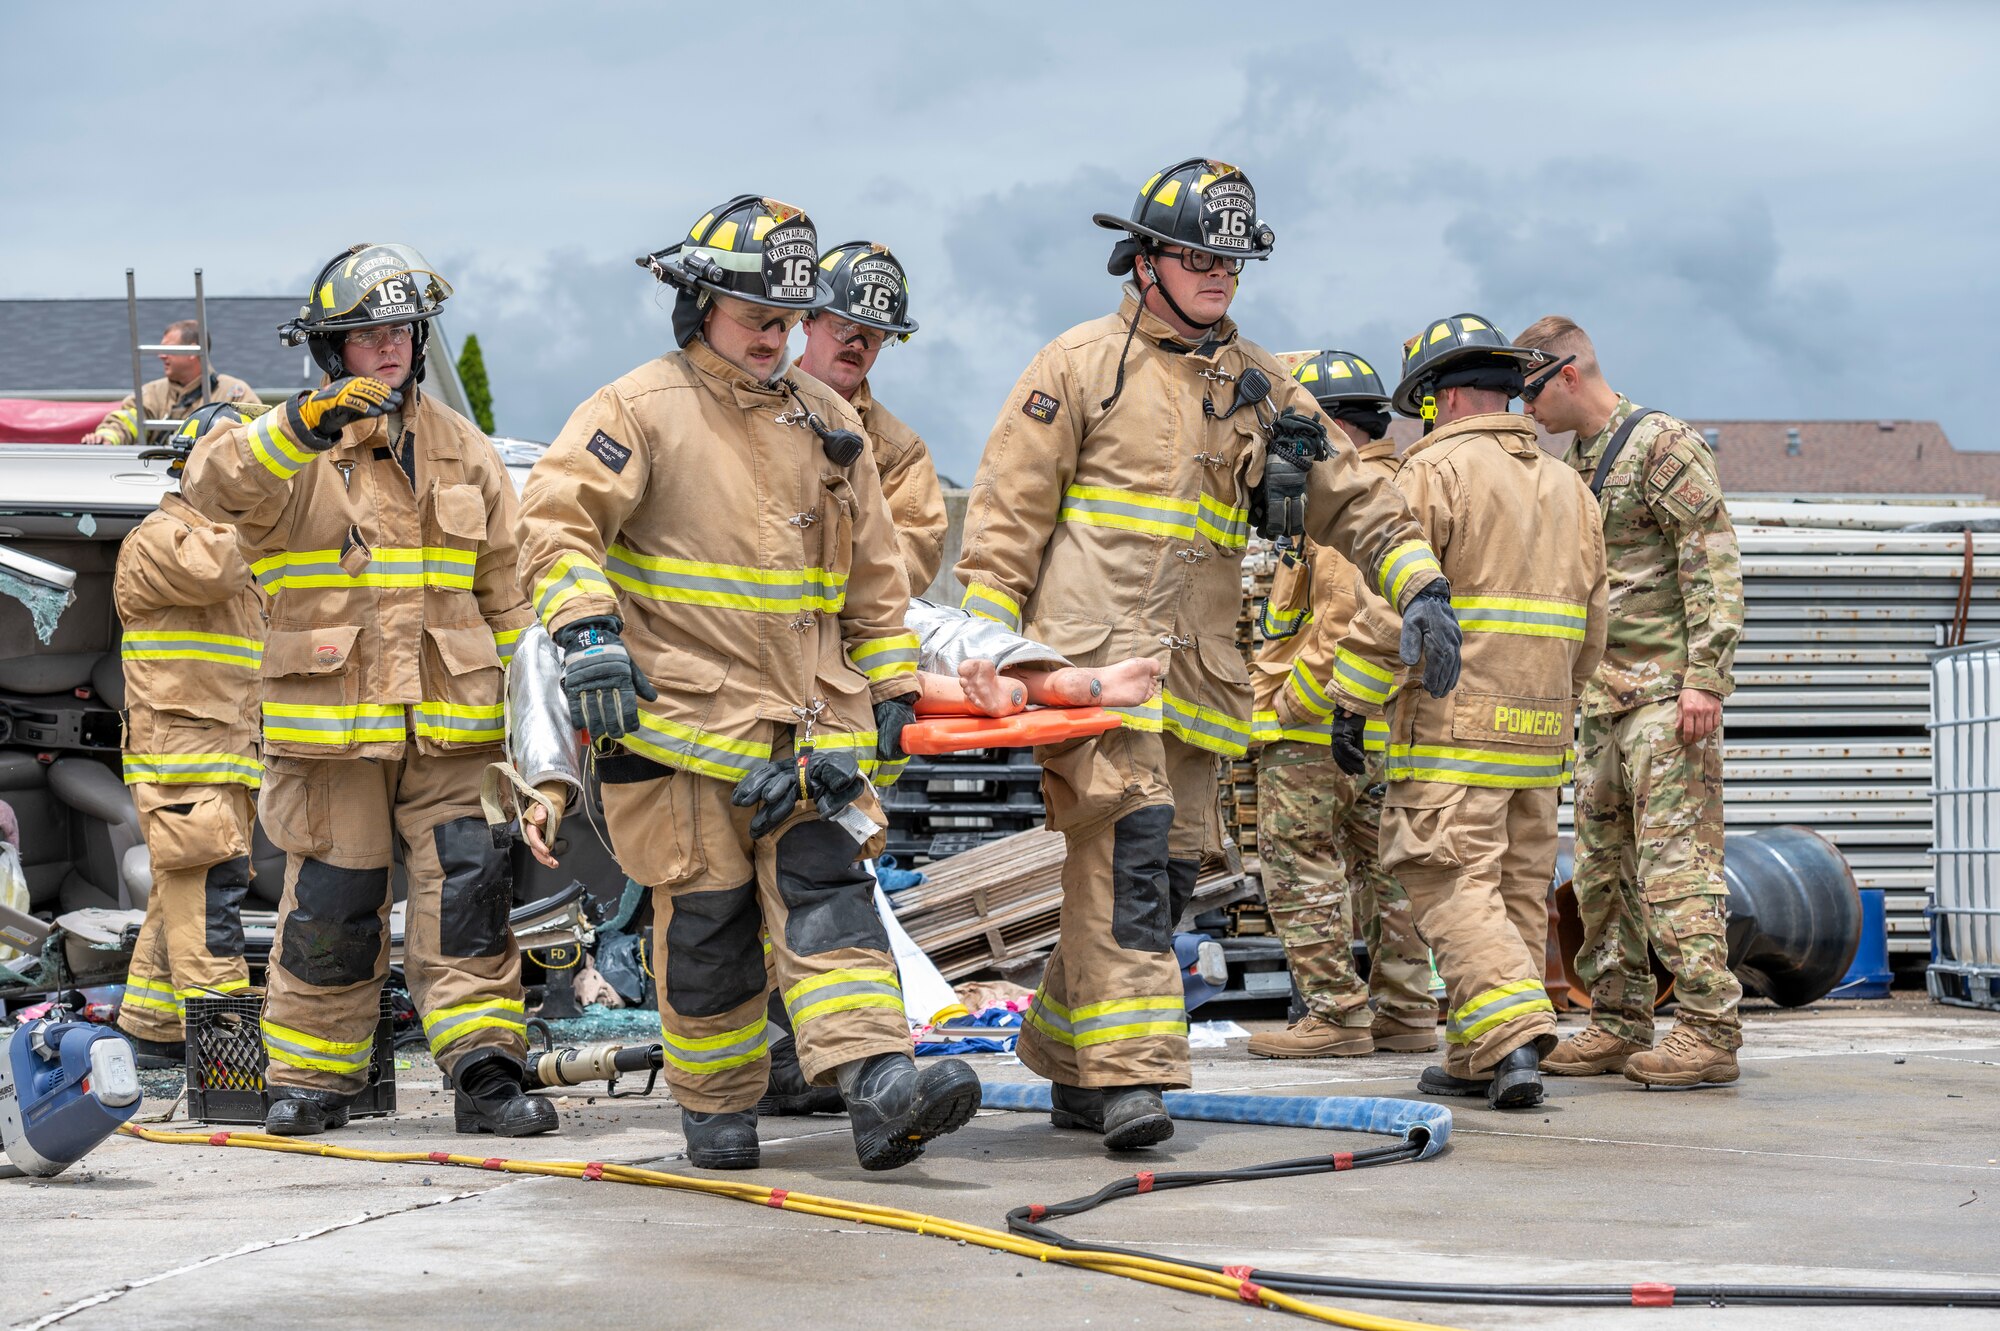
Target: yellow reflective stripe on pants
{"x": 448, "y": 1025}
{"x": 1307, "y": 690}
{"x": 694, "y": 750}
{"x": 1477, "y": 767}
{"x": 504, "y": 641}
{"x": 1482, "y": 1012}
{"x": 842, "y": 991}
{"x": 1103, "y": 1023}
{"x": 152, "y": 995}
{"x": 570, "y": 576}
{"x": 183, "y": 645}
{"x": 1204, "y": 727}
{"x": 301, "y": 1050}
{"x": 274, "y": 449}
{"x": 885, "y": 658}
{"x": 1523, "y": 615}
{"x": 193, "y": 769}
{"x": 334, "y": 724}
{"x": 726, "y": 586}
{"x": 992, "y": 603}
{"x": 716, "y": 1053}
{"x": 1156, "y": 515}
{"x": 1405, "y": 560}
{"x": 435, "y": 566}
{"x": 1363, "y": 678}
{"x": 461, "y": 723}
{"x": 220, "y": 989}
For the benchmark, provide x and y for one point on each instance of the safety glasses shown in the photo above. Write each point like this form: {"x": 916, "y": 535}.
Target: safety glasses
{"x": 1533, "y": 388}
{"x": 392, "y": 334}
{"x": 1201, "y": 261}
{"x": 756, "y": 317}
{"x": 847, "y": 330}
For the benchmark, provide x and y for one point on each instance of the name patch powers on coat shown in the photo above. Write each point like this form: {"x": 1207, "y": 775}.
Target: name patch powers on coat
{"x": 609, "y": 451}
{"x": 1042, "y": 407}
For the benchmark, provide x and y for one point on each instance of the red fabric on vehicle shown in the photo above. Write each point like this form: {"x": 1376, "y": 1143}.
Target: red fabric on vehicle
{"x": 26, "y": 420}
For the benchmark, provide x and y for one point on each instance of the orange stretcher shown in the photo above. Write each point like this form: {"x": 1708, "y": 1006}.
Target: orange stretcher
{"x": 936, "y": 732}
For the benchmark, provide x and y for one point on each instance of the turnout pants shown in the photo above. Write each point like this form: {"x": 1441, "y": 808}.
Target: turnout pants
{"x": 338, "y": 822}
{"x": 1138, "y": 810}
{"x": 192, "y": 941}
{"x": 1477, "y": 864}
{"x": 1318, "y": 832}
{"x": 1649, "y": 871}
{"x": 719, "y": 900}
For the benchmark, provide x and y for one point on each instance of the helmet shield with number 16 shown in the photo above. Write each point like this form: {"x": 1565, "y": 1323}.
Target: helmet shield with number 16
{"x": 751, "y": 248}
{"x": 869, "y": 287}
{"x": 1197, "y": 204}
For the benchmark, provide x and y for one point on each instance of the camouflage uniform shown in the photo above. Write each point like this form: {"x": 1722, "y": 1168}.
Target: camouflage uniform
{"x": 1318, "y": 830}
{"x": 1649, "y": 808}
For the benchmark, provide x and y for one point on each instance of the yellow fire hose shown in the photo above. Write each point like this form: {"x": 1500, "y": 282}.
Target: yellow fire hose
{"x": 1172, "y": 1275}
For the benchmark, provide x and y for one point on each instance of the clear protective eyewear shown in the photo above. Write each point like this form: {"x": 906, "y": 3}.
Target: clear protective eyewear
{"x": 386, "y": 335}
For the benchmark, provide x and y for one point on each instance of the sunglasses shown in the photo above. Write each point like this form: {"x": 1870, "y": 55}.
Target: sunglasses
{"x": 1533, "y": 388}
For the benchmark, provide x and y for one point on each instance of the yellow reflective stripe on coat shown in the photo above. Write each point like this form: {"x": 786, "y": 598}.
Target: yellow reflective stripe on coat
{"x": 151, "y": 995}
{"x": 504, "y": 642}
{"x": 184, "y": 645}
{"x": 1269, "y": 729}
{"x": 273, "y": 448}
{"x": 1147, "y": 716}
{"x": 1397, "y": 567}
{"x": 726, "y": 586}
{"x": 842, "y": 991}
{"x": 436, "y": 566}
{"x": 569, "y": 577}
{"x": 461, "y": 723}
{"x": 194, "y": 769}
{"x": 992, "y": 603}
{"x": 1277, "y": 624}
{"x": 1477, "y": 767}
{"x": 701, "y": 751}
{"x": 1521, "y": 614}
{"x": 446, "y": 1026}
{"x": 1204, "y": 727}
{"x": 1496, "y": 1007}
{"x": 1362, "y": 678}
{"x": 300, "y": 1050}
{"x": 886, "y": 658}
{"x": 863, "y": 745}
{"x": 1308, "y": 691}
{"x": 1157, "y": 515}
{"x": 1104, "y": 1023}
{"x": 716, "y": 1053}
{"x": 334, "y": 723}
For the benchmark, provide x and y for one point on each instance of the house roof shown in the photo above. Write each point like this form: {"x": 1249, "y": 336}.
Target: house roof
{"x": 83, "y": 348}
{"x": 1888, "y": 457}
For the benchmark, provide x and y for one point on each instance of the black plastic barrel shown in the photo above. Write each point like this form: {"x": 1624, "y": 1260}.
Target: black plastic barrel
{"x": 1794, "y": 913}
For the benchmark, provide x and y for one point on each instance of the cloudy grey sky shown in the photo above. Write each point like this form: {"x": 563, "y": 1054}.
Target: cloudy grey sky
{"x": 1771, "y": 210}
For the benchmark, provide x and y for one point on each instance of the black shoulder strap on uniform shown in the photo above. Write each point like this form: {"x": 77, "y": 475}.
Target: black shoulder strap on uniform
{"x": 1617, "y": 446}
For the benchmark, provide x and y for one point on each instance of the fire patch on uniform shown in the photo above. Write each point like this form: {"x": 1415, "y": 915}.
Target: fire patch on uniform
{"x": 608, "y": 451}
{"x": 1042, "y": 407}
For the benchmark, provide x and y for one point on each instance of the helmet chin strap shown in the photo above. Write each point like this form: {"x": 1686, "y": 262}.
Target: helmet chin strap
{"x": 1168, "y": 296}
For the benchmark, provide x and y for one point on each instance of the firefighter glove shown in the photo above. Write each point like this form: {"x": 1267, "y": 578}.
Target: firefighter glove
{"x": 599, "y": 679}
{"x": 891, "y": 715}
{"x": 834, "y": 781}
{"x": 1278, "y": 503}
{"x": 773, "y": 785}
{"x": 1299, "y": 438}
{"x": 1430, "y": 634}
{"x": 1348, "y": 754}
{"x": 318, "y": 417}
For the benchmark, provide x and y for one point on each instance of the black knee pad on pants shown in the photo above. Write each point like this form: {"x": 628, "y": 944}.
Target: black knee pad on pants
{"x": 334, "y": 933}
{"x": 222, "y": 900}
{"x": 1181, "y": 878}
{"x": 829, "y": 899}
{"x": 478, "y": 889}
{"x": 715, "y": 951}
{"x": 1140, "y": 894}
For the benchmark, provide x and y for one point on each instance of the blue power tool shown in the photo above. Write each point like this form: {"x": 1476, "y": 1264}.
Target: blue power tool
{"x": 64, "y": 1087}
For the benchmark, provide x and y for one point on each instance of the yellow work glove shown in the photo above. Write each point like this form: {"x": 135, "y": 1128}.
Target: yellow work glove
{"x": 317, "y": 418}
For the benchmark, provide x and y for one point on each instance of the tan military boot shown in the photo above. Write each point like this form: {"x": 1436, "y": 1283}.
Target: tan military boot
{"x": 1683, "y": 1059}
{"x": 1395, "y": 1037}
{"x": 1590, "y": 1053}
{"x": 1313, "y": 1037}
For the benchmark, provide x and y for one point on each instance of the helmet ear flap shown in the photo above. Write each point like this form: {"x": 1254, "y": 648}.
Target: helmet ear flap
{"x": 1123, "y": 256}
{"x": 690, "y": 309}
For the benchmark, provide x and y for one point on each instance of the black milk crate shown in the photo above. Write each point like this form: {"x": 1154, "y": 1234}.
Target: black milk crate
{"x": 225, "y": 1061}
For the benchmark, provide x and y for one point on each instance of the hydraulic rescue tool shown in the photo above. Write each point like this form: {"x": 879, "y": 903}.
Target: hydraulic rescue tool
{"x": 64, "y": 1087}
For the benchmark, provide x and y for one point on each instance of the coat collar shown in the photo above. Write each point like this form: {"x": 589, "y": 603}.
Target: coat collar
{"x": 1516, "y": 434}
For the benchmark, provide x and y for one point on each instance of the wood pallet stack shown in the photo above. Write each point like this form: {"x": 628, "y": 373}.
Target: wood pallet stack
{"x": 1239, "y": 778}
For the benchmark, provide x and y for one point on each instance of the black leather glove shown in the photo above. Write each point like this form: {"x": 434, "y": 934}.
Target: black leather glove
{"x": 599, "y": 679}
{"x": 834, "y": 781}
{"x": 891, "y": 715}
{"x": 774, "y": 784}
{"x": 1348, "y": 755}
{"x": 1430, "y": 633}
{"x": 1298, "y": 438}
{"x": 317, "y": 418}
{"x": 1278, "y": 503}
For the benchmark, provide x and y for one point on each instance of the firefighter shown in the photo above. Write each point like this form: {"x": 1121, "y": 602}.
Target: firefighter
{"x": 870, "y": 309}
{"x": 1109, "y": 517}
{"x": 708, "y": 535}
{"x": 1469, "y": 823}
{"x": 381, "y": 525}
{"x": 193, "y": 640}
{"x": 1318, "y": 828}
{"x": 177, "y": 393}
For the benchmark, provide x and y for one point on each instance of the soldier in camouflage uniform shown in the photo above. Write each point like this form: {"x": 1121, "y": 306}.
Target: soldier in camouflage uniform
{"x": 1318, "y": 827}
{"x": 1649, "y": 773}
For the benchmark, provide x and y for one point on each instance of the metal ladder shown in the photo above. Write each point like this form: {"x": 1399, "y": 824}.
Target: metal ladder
{"x": 143, "y": 427}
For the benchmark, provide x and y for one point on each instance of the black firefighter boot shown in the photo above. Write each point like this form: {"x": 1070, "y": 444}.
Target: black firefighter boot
{"x": 790, "y": 1094}
{"x": 490, "y": 1095}
{"x": 297, "y": 1112}
{"x": 725, "y": 1140}
{"x": 896, "y": 1109}
{"x": 1128, "y": 1117}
